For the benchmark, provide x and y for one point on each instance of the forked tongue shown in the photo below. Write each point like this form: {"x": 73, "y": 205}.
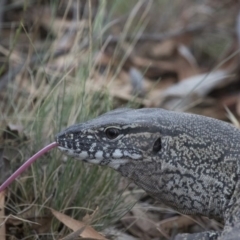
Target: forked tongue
{"x": 27, "y": 164}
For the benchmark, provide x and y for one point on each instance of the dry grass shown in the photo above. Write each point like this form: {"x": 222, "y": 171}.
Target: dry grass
{"x": 49, "y": 73}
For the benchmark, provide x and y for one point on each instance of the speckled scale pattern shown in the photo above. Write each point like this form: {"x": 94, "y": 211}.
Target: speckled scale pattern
{"x": 196, "y": 171}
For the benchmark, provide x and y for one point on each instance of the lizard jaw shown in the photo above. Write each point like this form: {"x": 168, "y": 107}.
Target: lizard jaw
{"x": 96, "y": 158}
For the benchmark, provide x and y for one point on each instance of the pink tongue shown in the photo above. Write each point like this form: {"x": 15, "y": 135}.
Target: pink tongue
{"x": 27, "y": 164}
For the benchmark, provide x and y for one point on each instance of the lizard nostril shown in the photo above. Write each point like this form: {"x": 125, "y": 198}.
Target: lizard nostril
{"x": 69, "y": 145}
{"x": 157, "y": 146}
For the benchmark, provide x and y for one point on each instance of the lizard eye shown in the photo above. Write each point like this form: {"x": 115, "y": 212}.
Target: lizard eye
{"x": 112, "y": 133}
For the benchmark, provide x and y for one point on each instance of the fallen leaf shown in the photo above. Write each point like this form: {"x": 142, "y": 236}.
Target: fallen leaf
{"x": 167, "y": 225}
{"x": 87, "y": 219}
{"x": 74, "y": 235}
{"x": 75, "y": 225}
{"x": 12, "y": 131}
{"x": 192, "y": 89}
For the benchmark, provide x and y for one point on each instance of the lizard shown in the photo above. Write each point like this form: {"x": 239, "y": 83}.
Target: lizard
{"x": 189, "y": 162}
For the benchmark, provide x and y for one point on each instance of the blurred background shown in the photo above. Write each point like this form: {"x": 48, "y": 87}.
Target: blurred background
{"x": 63, "y": 62}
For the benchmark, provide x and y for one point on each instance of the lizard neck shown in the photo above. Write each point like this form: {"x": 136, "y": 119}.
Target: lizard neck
{"x": 232, "y": 211}
{"x": 195, "y": 172}
{"x": 201, "y": 185}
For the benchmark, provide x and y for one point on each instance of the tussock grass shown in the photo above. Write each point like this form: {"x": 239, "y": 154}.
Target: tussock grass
{"x": 44, "y": 101}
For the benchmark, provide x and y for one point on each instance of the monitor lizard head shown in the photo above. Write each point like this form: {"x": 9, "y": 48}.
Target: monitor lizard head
{"x": 113, "y": 139}
{"x": 186, "y": 161}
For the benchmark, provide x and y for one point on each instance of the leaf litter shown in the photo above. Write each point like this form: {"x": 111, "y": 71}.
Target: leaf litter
{"x": 171, "y": 63}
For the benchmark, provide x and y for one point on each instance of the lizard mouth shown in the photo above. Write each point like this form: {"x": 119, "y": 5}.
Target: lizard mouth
{"x": 79, "y": 154}
{"x": 84, "y": 156}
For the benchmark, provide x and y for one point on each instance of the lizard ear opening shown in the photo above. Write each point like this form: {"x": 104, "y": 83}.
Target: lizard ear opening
{"x": 157, "y": 146}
